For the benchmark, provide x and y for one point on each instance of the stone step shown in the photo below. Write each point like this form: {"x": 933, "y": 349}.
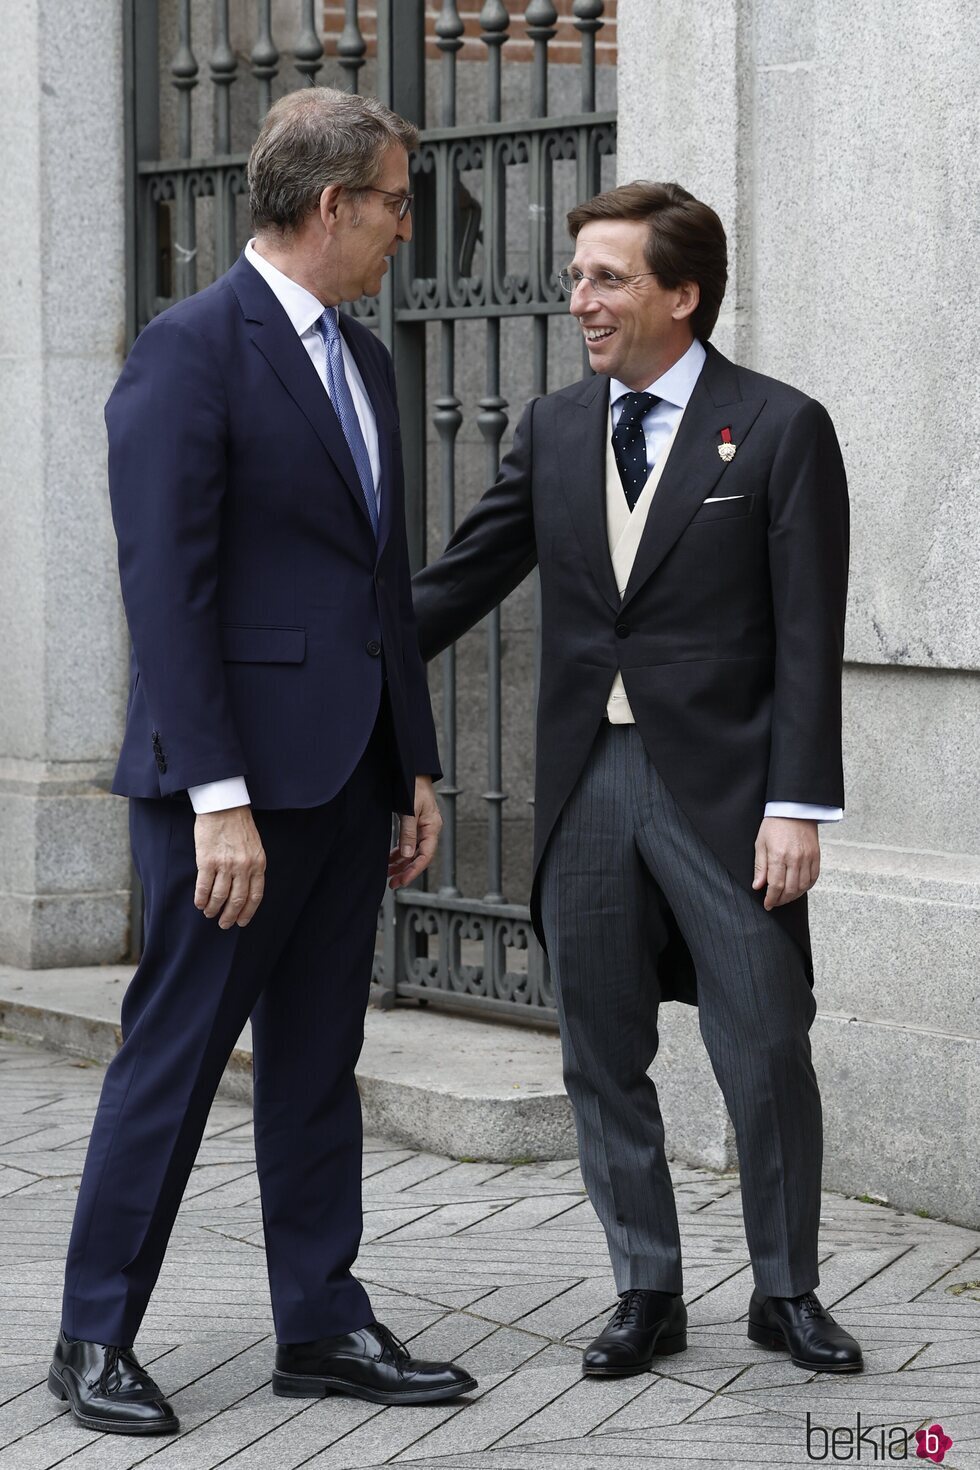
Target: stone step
{"x": 446, "y": 1084}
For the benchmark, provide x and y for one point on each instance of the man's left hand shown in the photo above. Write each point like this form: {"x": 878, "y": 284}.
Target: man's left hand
{"x": 418, "y": 837}
{"x": 787, "y": 859}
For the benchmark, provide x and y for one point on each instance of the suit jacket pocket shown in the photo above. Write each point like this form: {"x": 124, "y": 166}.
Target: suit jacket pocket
{"x": 245, "y": 643}
{"x": 723, "y": 510}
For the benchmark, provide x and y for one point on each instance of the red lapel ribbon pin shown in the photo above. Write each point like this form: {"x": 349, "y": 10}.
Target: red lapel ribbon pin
{"x": 726, "y": 448}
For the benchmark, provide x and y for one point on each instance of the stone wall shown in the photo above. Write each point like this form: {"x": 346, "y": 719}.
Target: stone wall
{"x": 838, "y": 143}
{"x": 64, "y": 865}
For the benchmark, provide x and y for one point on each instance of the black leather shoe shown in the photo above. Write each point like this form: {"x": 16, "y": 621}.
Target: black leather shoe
{"x": 644, "y": 1326}
{"x": 367, "y": 1364}
{"x": 108, "y": 1390}
{"x": 800, "y": 1326}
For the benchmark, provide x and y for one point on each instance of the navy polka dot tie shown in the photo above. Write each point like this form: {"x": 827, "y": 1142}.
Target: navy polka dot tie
{"x": 630, "y": 445}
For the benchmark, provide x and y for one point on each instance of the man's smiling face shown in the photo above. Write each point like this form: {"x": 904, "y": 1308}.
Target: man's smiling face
{"x": 636, "y": 331}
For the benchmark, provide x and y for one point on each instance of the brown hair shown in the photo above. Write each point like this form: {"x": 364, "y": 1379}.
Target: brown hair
{"x": 686, "y": 241}
{"x": 314, "y": 137}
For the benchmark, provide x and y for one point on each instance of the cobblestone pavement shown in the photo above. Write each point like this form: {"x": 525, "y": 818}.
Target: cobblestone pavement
{"x": 504, "y": 1268}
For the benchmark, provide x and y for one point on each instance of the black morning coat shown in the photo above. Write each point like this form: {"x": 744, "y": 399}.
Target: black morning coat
{"x": 730, "y": 634}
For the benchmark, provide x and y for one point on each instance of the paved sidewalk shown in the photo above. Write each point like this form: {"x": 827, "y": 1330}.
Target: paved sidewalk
{"x": 502, "y": 1266}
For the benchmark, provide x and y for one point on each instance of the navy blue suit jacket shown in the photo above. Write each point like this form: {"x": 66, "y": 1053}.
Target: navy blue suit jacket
{"x": 264, "y": 614}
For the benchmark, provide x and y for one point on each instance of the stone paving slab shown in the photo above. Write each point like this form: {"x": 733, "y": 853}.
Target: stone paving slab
{"x": 502, "y": 1267}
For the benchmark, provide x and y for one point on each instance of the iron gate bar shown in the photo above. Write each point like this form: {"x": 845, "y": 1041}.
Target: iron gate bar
{"x": 351, "y": 45}
{"x": 526, "y": 127}
{"x": 401, "y": 86}
{"x": 308, "y": 51}
{"x": 447, "y": 420}
{"x": 562, "y": 123}
{"x": 264, "y": 59}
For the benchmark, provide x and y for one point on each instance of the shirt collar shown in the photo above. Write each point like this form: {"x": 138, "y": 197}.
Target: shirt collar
{"x": 301, "y": 306}
{"x": 675, "y": 385}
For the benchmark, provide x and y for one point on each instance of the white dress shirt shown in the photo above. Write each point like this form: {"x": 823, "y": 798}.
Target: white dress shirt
{"x": 304, "y": 311}
{"x": 660, "y": 425}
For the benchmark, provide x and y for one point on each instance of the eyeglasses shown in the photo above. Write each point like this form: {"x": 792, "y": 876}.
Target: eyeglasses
{"x": 602, "y": 284}
{"x": 406, "y": 199}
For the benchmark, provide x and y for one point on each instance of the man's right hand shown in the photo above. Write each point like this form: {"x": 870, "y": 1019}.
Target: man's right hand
{"x": 230, "y": 866}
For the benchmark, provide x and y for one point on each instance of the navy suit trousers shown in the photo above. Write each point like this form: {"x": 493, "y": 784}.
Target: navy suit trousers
{"x": 302, "y": 971}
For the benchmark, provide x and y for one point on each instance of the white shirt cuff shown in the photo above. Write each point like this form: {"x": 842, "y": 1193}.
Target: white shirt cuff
{"x": 219, "y": 796}
{"x": 804, "y": 812}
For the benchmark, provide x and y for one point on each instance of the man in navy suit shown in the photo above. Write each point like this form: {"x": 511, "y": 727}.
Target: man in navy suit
{"x": 278, "y": 715}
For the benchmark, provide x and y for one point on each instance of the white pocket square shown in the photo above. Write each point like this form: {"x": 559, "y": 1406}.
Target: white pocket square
{"x": 714, "y": 499}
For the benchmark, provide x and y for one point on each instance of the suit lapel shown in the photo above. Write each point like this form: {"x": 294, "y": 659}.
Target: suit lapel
{"x": 582, "y": 458}
{"x": 695, "y": 466}
{"x": 273, "y": 334}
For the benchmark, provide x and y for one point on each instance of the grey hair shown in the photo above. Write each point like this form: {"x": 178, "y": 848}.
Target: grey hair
{"x": 315, "y": 137}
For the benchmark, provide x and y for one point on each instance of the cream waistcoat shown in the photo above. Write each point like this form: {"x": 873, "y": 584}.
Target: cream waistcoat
{"x": 624, "y": 530}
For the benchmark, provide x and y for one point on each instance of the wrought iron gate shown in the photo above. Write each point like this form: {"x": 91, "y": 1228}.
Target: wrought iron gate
{"x": 484, "y": 250}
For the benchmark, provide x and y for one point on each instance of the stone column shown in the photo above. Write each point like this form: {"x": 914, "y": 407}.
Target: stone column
{"x": 64, "y": 864}
{"x": 838, "y": 143}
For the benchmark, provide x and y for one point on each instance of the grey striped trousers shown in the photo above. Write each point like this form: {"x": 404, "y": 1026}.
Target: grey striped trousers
{"x": 621, "y": 858}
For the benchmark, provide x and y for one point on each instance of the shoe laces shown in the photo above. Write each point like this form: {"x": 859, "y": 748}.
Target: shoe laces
{"x": 113, "y": 1355}
{"x": 394, "y": 1344}
{"x": 110, "y": 1366}
{"x": 810, "y": 1306}
{"x": 627, "y": 1312}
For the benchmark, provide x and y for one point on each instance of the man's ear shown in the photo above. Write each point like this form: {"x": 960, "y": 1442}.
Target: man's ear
{"x": 688, "y": 300}
{"x": 329, "y": 203}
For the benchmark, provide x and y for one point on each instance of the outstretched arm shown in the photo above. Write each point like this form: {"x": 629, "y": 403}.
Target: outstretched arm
{"x": 490, "y": 554}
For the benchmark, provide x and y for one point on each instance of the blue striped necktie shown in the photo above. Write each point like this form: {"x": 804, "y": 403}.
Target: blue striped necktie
{"x": 340, "y": 396}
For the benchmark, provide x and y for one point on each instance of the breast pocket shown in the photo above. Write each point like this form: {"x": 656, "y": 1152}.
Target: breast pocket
{"x": 723, "y": 508}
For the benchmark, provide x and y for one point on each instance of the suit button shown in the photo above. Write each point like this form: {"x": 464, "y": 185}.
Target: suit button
{"x": 374, "y": 648}
{"x": 622, "y": 630}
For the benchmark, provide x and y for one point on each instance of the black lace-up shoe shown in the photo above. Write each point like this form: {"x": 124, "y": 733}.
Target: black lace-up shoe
{"x": 644, "y": 1326}
{"x": 368, "y": 1364}
{"x": 108, "y": 1390}
{"x": 800, "y": 1326}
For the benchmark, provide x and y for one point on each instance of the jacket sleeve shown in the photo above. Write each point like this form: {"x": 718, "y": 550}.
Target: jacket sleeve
{"x": 490, "y": 554}
{"x": 423, "y": 732}
{"x": 808, "y": 554}
{"x": 167, "y": 425}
